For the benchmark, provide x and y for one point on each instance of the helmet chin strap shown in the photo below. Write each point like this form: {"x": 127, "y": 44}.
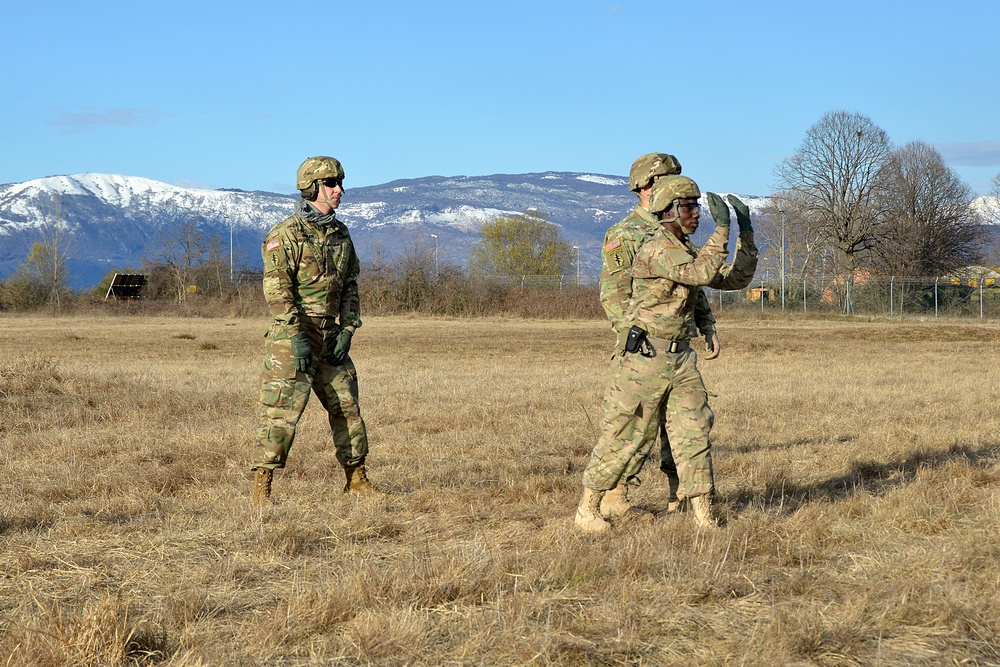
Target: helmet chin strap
{"x": 326, "y": 198}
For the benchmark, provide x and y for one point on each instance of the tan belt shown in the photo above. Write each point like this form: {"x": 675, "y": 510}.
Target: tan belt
{"x": 667, "y": 345}
{"x": 325, "y": 323}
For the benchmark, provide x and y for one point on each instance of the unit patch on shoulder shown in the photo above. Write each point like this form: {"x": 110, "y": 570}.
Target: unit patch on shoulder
{"x": 612, "y": 245}
{"x": 273, "y": 244}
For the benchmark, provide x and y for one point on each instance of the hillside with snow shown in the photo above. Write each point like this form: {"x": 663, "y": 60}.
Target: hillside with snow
{"x": 115, "y": 221}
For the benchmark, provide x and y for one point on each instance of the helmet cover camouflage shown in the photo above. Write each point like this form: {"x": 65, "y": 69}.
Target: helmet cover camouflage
{"x": 669, "y": 189}
{"x": 646, "y": 168}
{"x": 315, "y": 168}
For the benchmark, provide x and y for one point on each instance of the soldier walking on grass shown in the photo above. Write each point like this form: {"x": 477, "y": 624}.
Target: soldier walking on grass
{"x": 621, "y": 244}
{"x": 311, "y": 287}
{"x": 659, "y": 369}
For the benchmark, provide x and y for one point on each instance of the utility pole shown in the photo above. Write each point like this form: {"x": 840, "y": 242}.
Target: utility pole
{"x": 577, "y": 248}
{"x": 436, "y": 271}
{"x": 782, "y": 258}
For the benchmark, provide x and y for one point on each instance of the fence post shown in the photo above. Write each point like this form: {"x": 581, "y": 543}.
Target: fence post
{"x": 891, "y": 280}
{"x": 981, "y": 281}
{"x": 936, "y": 296}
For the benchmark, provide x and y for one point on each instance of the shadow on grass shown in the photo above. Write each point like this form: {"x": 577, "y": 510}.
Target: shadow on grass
{"x": 22, "y": 525}
{"x": 869, "y": 477}
{"x": 791, "y": 444}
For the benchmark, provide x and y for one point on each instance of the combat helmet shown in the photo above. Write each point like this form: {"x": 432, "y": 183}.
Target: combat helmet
{"x": 669, "y": 189}
{"x": 646, "y": 168}
{"x": 314, "y": 169}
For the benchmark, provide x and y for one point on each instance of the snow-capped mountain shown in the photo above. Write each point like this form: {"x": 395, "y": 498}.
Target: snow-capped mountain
{"x": 115, "y": 221}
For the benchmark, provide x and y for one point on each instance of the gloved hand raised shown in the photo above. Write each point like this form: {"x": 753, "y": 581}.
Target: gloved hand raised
{"x": 742, "y": 213}
{"x": 338, "y": 348}
{"x": 302, "y": 351}
{"x": 718, "y": 209}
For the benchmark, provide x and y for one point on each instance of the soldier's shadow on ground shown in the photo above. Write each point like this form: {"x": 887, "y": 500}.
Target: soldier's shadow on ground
{"x": 790, "y": 444}
{"x": 865, "y": 476}
{"x": 22, "y": 525}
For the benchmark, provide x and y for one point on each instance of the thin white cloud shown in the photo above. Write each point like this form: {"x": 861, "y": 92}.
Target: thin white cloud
{"x": 971, "y": 153}
{"x": 193, "y": 185}
{"x": 83, "y": 121}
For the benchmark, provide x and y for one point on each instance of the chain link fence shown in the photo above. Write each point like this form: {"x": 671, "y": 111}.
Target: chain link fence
{"x": 885, "y": 296}
{"x": 975, "y": 297}
{"x": 864, "y": 295}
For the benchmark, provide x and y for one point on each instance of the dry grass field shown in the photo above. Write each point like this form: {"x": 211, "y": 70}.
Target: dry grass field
{"x": 857, "y": 464}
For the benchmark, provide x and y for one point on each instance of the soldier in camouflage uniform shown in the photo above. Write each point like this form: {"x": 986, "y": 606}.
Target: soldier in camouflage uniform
{"x": 621, "y": 243}
{"x": 659, "y": 369}
{"x": 311, "y": 287}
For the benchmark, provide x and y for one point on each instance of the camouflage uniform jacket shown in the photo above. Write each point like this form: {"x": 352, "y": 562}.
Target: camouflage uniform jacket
{"x": 310, "y": 274}
{"x": 666, "y": 276}
{"x": 621, "y": 244}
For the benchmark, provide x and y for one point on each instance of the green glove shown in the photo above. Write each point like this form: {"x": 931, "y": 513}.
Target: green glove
{"x": 337, "y": 352}
{"x": 742, "y": 213}
{"x": 302, "y": 351}
{"x": 718, "y": 209}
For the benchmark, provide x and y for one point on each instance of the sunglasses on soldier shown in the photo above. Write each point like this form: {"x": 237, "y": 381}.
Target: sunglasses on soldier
{"x": 330, "y": 182}
{"x": 693, "y": 206}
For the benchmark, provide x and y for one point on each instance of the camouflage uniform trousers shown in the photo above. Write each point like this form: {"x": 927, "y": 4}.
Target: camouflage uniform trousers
{"x": 632, "y": 405}
{"x": 667, "y": 465}
{"x": 631, "y": 474}
{"x": 284, "y": 393}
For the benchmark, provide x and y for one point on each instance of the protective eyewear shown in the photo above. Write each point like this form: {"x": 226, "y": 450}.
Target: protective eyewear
{"x": 331, "y": 182}
{"x": 694, "y": 206}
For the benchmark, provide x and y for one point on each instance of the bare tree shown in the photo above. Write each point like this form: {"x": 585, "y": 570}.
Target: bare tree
{"x": 47, "y": 263}
{"x": 800, "y": 241}
{"x": 181, "y": 250}
{"x": 930, "y": 226}
{"x": 994, "y": 205}
{"x": 829, "y": 183}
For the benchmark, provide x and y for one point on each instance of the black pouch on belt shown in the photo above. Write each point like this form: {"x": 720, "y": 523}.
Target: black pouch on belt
{"x": 636, "y": 336}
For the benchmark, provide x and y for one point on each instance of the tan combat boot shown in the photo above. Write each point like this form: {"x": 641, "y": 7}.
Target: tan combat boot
{"x": 588, "y": 514}
{"x": 262, "y": 485}
{"x": 673, "y": 502}
{"x": 357, "y": 480}
{"x": 703, "y": 515}
{"x": 616, "y": 504}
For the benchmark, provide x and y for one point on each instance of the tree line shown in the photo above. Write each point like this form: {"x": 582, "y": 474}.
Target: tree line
{"x": 848, "y": 199}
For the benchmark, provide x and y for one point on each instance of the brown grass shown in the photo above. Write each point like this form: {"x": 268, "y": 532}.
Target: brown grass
{"x": 857, "y": 463}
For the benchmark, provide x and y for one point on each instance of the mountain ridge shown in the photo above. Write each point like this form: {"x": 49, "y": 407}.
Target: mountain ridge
{"x": 113, "y": 221}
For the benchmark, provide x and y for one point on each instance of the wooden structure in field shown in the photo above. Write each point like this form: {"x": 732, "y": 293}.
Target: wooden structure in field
{"x": 126, "y": 286}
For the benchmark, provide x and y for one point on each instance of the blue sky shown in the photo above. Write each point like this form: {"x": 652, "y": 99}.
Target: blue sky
{"x": 236, "y": 94}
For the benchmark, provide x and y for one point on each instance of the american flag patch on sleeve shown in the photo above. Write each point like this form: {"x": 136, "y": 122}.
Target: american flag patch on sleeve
{"x": 611, "y": 246}
{"x": 272, "y": 244}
